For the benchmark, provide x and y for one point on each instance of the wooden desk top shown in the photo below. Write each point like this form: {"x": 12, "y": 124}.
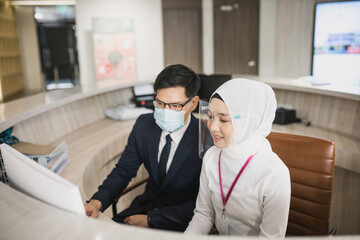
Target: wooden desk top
{"x": 350, "y": 92}
{"x": 23, "y": 217}
{"x": 35, "y": 220}
{"x": 22, "y": 109}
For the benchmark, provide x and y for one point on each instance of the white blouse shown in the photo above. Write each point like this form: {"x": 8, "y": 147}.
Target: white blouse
{"x": 259, "y": 203}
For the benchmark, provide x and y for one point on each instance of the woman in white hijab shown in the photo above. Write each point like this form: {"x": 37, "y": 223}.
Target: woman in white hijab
{"x": 244, "y": 185}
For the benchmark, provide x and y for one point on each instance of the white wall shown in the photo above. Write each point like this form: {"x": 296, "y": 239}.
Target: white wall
{"x": 208, "y": 36}
{"x": 267, "y": 38}
{"x": 147, "y": 16}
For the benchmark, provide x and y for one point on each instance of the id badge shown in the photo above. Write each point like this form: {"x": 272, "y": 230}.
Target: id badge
{"x": 225, "y": 225}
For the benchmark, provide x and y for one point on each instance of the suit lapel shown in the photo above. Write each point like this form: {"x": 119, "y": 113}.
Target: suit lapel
{"x": 185, "y": 146}
{"x": 154, "y": 140}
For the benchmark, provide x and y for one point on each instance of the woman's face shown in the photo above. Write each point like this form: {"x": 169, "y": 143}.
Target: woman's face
{"x": 220, "y": 124}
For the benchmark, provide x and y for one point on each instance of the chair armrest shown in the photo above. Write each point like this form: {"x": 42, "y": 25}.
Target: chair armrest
{"x": 126, "y": 190}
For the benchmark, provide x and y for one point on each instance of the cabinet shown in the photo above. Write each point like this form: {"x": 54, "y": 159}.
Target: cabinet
{"x": 11, "y": 75}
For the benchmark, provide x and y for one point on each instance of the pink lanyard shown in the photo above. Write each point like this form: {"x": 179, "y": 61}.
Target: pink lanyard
{"x": 224, "y": 200}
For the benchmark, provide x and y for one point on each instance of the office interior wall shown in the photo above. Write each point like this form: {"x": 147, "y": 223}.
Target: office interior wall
{"x": 182, "y": 30}
{"x": 147, "y": 17}
{"x": 267, "y": 38}
{"x": 208, "y": 36}
{"x": 285, "y": 38}
{"x": 293, "y": 38}
{"x": 29, "y": 48}
{"x": 294, "y": 35}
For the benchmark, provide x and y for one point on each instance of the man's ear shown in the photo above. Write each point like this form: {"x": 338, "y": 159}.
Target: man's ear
{"x": 194, "y": 103}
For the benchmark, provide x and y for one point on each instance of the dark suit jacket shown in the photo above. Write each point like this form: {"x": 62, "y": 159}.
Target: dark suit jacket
{"x": 168, "y": 205}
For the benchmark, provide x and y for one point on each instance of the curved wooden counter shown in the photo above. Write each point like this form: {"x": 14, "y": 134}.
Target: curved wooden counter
{"x": 27, "y": 218}
{"x": 77, "y": 116}
{"x": 333, "y": 110}
{"x": 95, "y": 143}
{"x": 23, "y": 217}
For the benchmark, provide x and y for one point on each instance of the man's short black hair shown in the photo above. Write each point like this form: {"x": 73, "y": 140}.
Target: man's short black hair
{"x": 178, "y": 75}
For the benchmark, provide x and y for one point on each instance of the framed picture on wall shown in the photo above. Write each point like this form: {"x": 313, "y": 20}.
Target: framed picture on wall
{"x": 114, "y": 49}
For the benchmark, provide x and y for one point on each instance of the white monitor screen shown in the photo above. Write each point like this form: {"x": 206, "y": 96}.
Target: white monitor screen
{"x": 336, "y": 45}
{"x": 31, "y": 178}
{"x": 145, "y": 89}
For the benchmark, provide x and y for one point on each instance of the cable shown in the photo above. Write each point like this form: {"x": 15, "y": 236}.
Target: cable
{"x": 304, "y": 121}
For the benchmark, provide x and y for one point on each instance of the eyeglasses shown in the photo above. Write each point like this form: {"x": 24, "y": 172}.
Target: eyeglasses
{"x": 172, "y": 106}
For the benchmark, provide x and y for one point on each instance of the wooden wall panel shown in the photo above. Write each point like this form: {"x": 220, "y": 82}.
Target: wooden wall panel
{"x": 11, "y": 75}
{"x": 236, "y": 36}
{"x": 294, "y": 36}
{"x": 182, "y": 24}
{"x": 336, "y": 114}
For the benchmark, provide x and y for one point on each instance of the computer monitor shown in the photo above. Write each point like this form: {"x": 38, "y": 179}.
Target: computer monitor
{"x": 29, "y": 177}
{"x": 209, "y": 83}
{"x": 144, "y": 95}
{"x": 336, "y": 42}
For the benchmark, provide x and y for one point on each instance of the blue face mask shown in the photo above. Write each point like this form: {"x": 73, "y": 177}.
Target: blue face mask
{"x": 169, "y": 120}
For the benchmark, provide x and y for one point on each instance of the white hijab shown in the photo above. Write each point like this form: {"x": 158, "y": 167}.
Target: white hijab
{"x": 252, "y": 107}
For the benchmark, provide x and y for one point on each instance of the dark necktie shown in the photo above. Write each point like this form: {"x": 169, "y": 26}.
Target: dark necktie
{"x": 164, "y": 156}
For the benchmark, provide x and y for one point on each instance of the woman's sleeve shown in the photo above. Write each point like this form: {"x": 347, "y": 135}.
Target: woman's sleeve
{"x": 276, "y": 203}
{"x": 203, "y": 219}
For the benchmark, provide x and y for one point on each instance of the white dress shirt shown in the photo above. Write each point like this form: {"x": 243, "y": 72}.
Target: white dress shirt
{"x": 176, "y": 138}
{"x": 258, "y": 205}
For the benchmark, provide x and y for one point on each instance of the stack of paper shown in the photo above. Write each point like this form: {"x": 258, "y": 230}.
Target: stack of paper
{"x": 54, "y": 158}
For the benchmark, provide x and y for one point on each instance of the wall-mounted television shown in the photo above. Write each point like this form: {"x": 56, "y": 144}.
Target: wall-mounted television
{"x": 336, "y": 42}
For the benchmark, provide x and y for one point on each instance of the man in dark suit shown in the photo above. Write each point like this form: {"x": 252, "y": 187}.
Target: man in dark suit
{"x": 166, "y": 142}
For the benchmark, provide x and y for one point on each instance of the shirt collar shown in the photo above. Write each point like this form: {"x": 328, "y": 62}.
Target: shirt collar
{"x": 176, "y": 136}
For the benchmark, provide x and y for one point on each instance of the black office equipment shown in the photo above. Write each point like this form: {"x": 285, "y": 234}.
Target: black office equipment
{"x": 209, "y": 83}
{"x": 285, "y": 116}
{"x": 144, "y": 95}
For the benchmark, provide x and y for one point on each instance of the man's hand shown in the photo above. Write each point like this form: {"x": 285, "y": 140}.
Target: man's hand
{"x": 92, "y": 208}
{"x": 137, "y": 220}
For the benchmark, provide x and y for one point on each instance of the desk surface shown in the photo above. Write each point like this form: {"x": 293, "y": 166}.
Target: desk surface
{"x": 21, "y": 109}
{"x": 38, "y": 221}
{"x": 351, "y": 92}
{"x": 23, "y": 217}
{"x": 42, "y": 221}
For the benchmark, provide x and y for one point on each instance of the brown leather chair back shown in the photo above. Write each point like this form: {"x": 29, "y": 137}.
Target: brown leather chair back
{"x": 311, "y": 165}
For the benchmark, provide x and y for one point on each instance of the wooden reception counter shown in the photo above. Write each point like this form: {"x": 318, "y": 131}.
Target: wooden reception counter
{"x": 95, "y": 142}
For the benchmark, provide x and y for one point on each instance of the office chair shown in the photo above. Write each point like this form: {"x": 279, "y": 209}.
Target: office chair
{"x": 125, "y": 191}
{"x": 311, "y": 165}
{"x": 209, "y": 83}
